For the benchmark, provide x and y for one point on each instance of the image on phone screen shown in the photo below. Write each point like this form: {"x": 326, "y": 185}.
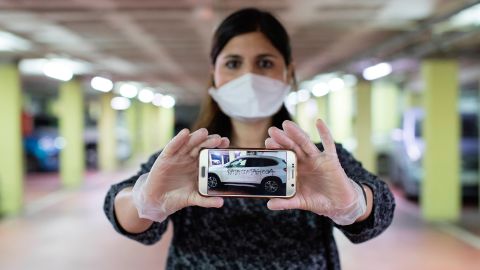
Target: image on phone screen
{"x": 247, "y": 172}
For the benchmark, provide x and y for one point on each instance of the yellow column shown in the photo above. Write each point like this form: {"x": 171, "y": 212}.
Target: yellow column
{"x": 385, "y": 107}
{"x": 322, "y": 108}
{"x": 340, "y": 114}
{"x": 167, "y": 125}
{"x": 303, "y": 118}
{"x": 71, "y": 127}
{"x": 148, "y": 128}
{"x": 441, "y": 193}
{"x": 308, "y": 112}
{"x": 107, "y": 142}
{"x": 363, "y": 126}
{"x": 157, "y": 128}
{"x": 134, "y": 125}
{"x": 301, "y": 114}
{"x": 11, "y": 157}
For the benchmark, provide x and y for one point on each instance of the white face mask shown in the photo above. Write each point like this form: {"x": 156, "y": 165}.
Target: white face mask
{"x": 250, "y": 97}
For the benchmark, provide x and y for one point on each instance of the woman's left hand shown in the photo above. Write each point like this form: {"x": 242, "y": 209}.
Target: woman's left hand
{"x": 323, "y": 187}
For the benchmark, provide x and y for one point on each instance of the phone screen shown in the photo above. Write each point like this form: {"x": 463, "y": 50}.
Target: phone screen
{"x": 244, "y": 172}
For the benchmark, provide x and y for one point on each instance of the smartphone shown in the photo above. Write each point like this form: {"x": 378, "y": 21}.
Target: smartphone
{"x": 240, "y": 172}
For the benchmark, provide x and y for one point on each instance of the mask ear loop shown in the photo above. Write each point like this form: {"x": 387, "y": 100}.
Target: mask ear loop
{"x": 212, "y": 81}
{"x": 294, "y": 82}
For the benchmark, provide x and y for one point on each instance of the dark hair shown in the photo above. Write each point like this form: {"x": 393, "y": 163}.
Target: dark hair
{"x": 251, "y": 20}
{"x": 241, "y": 22}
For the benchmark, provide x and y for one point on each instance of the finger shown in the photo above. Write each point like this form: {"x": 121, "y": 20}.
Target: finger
{"x": 176, "y": 142}
{"x": 195, "y": 139}
{"x": 283, "y": 204}
{"x": 300, "y": 137}
{"x": 272, "y": 144}
{"x": 225, "y": 143}
{"x": 199, "y": 200}
{"x": 211, "y": 142}
{"x": 281, "y": 138}
{"x": 326, "y": 136}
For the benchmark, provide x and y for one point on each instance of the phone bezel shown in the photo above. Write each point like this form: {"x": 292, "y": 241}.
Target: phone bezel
{"x": 291, "y": 178}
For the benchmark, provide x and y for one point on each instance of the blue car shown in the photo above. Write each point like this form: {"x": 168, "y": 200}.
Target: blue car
{"x": 42, "y": 148}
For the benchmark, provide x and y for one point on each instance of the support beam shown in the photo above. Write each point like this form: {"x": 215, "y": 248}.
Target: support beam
{"x": 148, "y": 117}
{"x": 71, "y": 127}
{"x": 304, "y": 118}
{"x": 134, "y": 123}
{"x": 107, "y": 142}
{"x": 365, "y": 151}
{"x": 340, "y": 105}
{"x": 167, "y": 125}
{"x": 441, "y": 193}
{"x": 307, "y": 114}
{"x": 385, "y": 106}
{"x": 322, "y": 113}
{"x": 11, "y": 157}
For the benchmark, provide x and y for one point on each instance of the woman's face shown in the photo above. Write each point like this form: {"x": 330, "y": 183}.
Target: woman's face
{"x": 250, "y": 53}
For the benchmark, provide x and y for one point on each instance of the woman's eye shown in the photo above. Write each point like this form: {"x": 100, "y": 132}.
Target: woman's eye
{"x": 232, "y": 64}
{"x": 265, "y": 63}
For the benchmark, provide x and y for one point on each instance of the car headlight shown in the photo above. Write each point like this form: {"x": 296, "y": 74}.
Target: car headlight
{"x": 46, "y": 143}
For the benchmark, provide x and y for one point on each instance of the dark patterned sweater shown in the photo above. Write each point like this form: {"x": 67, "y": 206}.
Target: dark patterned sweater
{"x": 245, "y": 234}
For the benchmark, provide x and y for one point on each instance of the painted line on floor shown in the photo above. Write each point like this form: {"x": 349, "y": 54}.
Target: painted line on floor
{"x": 460, "y": 233}
{"x": 46, "y": 201}
{"x": 33, "y": 208}
{"x": 453, "y": 230}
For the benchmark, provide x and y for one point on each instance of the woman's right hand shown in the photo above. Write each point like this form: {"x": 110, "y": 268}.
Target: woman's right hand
{"x": 172, "y": 182}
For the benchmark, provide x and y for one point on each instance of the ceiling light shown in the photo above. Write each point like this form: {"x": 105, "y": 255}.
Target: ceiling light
{"x": 146, "y": 95}
{"x": 303, "y": 95}
{"x": 320, "y": 89}
{"x": 292, "y": 99}
{"x": 377, "y": 71}
{"x": 168, "y": 101}
{"x": 157, "y": 100}
{"x": 128, "y": 90}
{"x": 59, "y": 69}
{"x": 336, "y": 84}
{"x": 467, "y": 17}
{"x": 11, "y": 42}
{"x": 101, "y": 84}
{"x": 120, "y": 103}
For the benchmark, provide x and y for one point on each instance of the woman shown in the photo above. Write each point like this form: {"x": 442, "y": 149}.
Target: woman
{"x": 251, "y": 56}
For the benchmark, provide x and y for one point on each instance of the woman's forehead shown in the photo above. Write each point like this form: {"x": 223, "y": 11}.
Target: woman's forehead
{"x": 249, "y": 44}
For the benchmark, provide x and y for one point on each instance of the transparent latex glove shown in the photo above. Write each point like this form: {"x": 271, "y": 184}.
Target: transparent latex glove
{"x": 322, "y": 185}
{"x": 171, "y": 184}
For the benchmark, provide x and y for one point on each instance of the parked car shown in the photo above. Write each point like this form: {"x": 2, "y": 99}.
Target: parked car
{"x": 265, "y": 172}
{"x": 42, "y": 146}
{"x": 406, "y": 167}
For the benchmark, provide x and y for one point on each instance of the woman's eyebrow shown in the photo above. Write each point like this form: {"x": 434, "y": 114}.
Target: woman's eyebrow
{"x": 266, "y": 55}
{"x": 235, "y": 56}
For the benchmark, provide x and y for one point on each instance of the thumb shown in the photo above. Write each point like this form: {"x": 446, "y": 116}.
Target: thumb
{"x": 199, "y": 200}
{"x": 282, "y": 204}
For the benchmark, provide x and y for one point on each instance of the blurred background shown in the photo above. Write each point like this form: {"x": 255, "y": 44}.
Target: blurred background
{"x": 88, "y": 89}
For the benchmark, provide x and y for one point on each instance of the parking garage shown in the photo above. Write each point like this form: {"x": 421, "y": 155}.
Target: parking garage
{"x": 89, "y": 90}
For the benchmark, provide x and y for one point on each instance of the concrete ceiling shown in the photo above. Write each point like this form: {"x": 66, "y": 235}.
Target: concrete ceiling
{"x": 166, "y": 43}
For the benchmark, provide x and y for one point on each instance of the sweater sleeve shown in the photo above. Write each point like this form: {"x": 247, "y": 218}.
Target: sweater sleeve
{"x": 383, "y": 201}
{"x": 156, "y": 230}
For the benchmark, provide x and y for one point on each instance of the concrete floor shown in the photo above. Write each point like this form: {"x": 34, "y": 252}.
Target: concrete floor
{"x": 68, "y": 230}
